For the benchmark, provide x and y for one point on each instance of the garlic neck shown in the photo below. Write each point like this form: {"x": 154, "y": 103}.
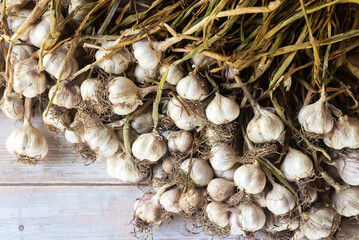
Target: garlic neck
{"x": 27, "y": 115}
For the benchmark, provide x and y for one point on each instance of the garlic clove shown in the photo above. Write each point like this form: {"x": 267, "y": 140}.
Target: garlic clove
{"x": 149, "y": 146}
{"x": 122, "y": 166}
{"x": 67, "y": 95}
{"x": 201, "y": 173}
{"x": 20, "y": 52}
{"x": 148, "y": 209}
{"x": 170, "y": 200}
{"x": 180, "y": 142}
{"x": 12, "y": 106}
{"x": 223, "y": 157}
{"x": 217, "y": 213}
{"x": 345, "y": 134}
{"x": 318, "y": 223}
{"x": 280, "y": 200}
{"x": 227, "y": 174}
{"x": 246, "y": 217}
{"x": 75, "y": 132}
{"x": 146, "y": 56}
{"x": 192, "y": 87}
{"x": 265, "y": 127}
{"x": 220, "y": 189}
{"x": 56, "y": 119}
{"x": 144, "y": 122}
{"x": 296, "y": 165}
{"x": 251, "y": 178}
{"x": 174, "y": 75}
{"x": 346, "y": 201}
{"x": 222, "y": 110}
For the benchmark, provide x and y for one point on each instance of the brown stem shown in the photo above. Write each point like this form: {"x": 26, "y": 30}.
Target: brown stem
{"x": 248, "y": 94}
{"x": 28, "y": 106}
{"x": 147, "y": 90}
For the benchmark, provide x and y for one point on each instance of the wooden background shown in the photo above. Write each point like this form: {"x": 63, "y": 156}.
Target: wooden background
{"x": 60, "y": 198}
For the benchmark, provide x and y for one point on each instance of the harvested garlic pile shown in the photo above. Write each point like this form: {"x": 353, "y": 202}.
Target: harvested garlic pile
{"x": 224, "y": 109}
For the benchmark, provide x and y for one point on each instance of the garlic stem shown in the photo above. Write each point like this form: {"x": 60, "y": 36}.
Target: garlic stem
{"x": 248, "y": 94}
{"x": 147, "y": 90}
{"x": 156, "y": 103}
{"x": 126, "y": 136}
{"x": 190, "y": 164}
{"x": 27, "y": 114}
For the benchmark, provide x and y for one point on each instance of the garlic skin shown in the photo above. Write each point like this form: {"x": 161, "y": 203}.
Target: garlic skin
{"x": 72, "y": 135}
{"x": 67, "y": 95}
{"x": 296, "y": 165}
{"x": 190, "y": 200}
{"x": 250, "y": 178}
{"x": 280, "y": 200}
{"x": 174, "y": 75}
{"x": 144, "y": 122}
{"x": 277, "y": 224}
{"x": 81, "y": 14}
{"x": 223, "y": 157}
{"x": 348, "y": 168}
{"x": 56, "y": 120}
{"x": 101, "y": 139}
{"x": 15, "y": 21}
{"x": 53, "y": 63}
{"x": 20, "y": 52}
{"x": 348, "y": 230}
{"x": 141, "y": 74}
{"x": 148, "y": 209}
{"x": 220, "y": 189}
{"x": 201, "y": 173}
{"x": 182, "y": 119}
{"x": 192, "y": 87}
{"x": 316, "y": 117}
{"x": 202, "y": 62}
{"x": 247, "y": 217}
{"x": 180, "y": 142}
{"x": 346, "y": 201}
{"x": 122, "y": 166}
{"x": 89, "y": 89}
{"x": 266, "y": 127}
{"x": 167, "y": 165}
{"x": 117, "y": 63}
{"x": 28, "y": 80}
{"x": 222, "y": 110}
{"x": 145, "y": 55}
{"x": 149, "y": 146}
{"x": 317, "y": 223}
{"x": 170, "y": 200}
{"x": 345, "y": 134}
{"x": 217, "y": 213}
{"x": 12, "y": 106}
{"x": 228, "y": 174}
{"x": 312, "y": 193}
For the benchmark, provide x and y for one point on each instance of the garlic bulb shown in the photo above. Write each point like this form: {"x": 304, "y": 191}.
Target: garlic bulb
{"x": 223, "y": 157}
{"x": 56, "y": 119}
{"x": 201, "y": 173}
{"x": 174, "y": 75}
{"x": 280, "y": 200}
{"x": 346, "y": 201}
{"x": 12, "y": 106}
{"x": 180, "y": 142}
{"x": 250, "y": 178}
{"x": 145, "y": 55}
{"x": 348, "y": 229}
{"x": 316, "y": 117}
{"x": 67, "y": 95}
{"x": 265, "y": 127}
{"x": 202, "y": 62}
{"x": 260, "y": 198}
{"x": 144, "y": 122}
{"x": 192, "y": 87}
{"x": 222, "y": 110}
{"x": 101, "y": 139}
{"x": 345, "y": 134}
{"x": 117, "y": 63}
{"x": 81, "y": 14}
{"x": 348, "y": 168}
{"x": 20, "y": 52}
{"x": 16, "y": 20}
{"x": 217, "y": 213}
{"x": 122, "y": 166}
{"x": 89, "y": 89}
{"x": 170, "y": 200}
{"x": 246, "y": 217}
{"x": 141, "y": 74}
{"x": 190, "y": 201}
{"x": 28, "y": 80}
{"x": 228, "y": 174}
{"x": 75, "y": 131}
{"x": 311, "y": 193}
{"x": 278, "y": 224}
{"x": 149, "y": 146}
{"x": 183, "y": 119}
{"x": 53, "y": 63}
{"x": 317, "y": 223}
{"x": 167, "y": 165}
{"x": 296, "y": 165}
{"x": 220, "y": 189}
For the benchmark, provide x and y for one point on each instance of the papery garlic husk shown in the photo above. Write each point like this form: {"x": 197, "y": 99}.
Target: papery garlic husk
{"x": 260, "y": 198}
{"x": 157, "y": 177}
{"x": 201, "y": 173}
{"x": 28, "y": 80}
{"x": 101, "y": 139}
{"x": 180, "y": 141}
{"x": 20, "y": 52}
{"x": 12, "y": 106}
{"x": 218, "y": 214}
{"x": 141, "y": 74}
{"x": 148, "y": 209}
{"x": 41, "y": 29}
{"x": 53, "y": 63}
{"x": 149, "y": 146}
{"x": 278, "y": 224}
{"x": 80, "y": 15}
{"x": 345, "y": 134}
{"x": 296, "y": 165}
{"x": 228, "y": 174}
{"x": 318, "y": 223}
{"x": 247, "y": 217}
{"x": 144, "y": 122}
{"x": 183, "y": 119}
{"x": 10, "y": 4}
{"x": 222, "y": 110}
{"x": 251, "y": 178}
{"x": 167, "y": 165}
{"x": 174, "y": 75}
{"x": 75, "y": 132}
{"x": 117, "y": 63}
{"x": 212, "y": 137}
{"x": 316, "y": 118}
{"x": 56, "y": 119}
{"x": 89, "y": 89}
{"x": 220, "y": 189}
{"x": 346, "y": 201}
{"x": 312, "y": 194}
{"x": 280, "y": 200}
{"x": 67, "y": 95}
{"x": 202, "y": 62}
{"x": 122, "y": 166}
{"x": 223, "y": 157}
{"x": 190, "y": 201}
{"x": 192, "y": 87}
{"x": 266, "y": 127}
{"x": 16, "y": 20}
{"x": 348, "y": 229}
{"x": 145, "y": 55}
{"x": 170, "y": 200}
{"x": 348, "y": 168}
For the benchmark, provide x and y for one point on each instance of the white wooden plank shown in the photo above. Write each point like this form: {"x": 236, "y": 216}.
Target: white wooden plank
{"x": 75, "y": 212}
